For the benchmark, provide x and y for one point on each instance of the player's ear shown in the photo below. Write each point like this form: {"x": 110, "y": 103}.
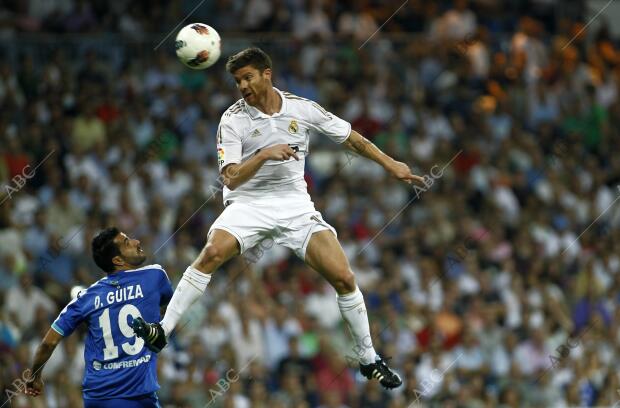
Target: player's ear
{"x": 267, "y": 73}
{"x": 118, "y": 261}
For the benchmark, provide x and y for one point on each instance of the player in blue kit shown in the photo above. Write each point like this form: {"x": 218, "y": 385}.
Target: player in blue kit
{"x": 120, "y": 371}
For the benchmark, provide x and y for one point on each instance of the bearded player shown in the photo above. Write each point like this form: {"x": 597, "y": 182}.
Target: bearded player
{"x": 262, "y": 141}
{"x": 119, "y": 371}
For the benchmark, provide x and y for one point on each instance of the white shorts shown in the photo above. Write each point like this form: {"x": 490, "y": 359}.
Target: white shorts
{"x": 286, "y": 222}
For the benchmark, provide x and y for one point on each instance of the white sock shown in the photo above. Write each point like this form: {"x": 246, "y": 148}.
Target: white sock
{"x": 353, "y": 312}
{"x": 190, "y": 288}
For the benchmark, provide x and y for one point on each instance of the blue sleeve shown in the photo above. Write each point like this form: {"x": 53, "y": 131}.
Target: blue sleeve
{"x": 69, "y": 318}
{"x": 165, "y": 289}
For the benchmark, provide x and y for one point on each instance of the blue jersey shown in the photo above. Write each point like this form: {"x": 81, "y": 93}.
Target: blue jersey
{"x": 117, "y": 363}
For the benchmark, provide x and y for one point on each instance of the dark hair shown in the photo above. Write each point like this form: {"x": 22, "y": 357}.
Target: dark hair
{"x": 254, "y": 56}
{"x": 104, "y": 248}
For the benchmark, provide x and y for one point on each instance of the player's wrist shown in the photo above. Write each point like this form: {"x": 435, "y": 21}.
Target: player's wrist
{"x": 388, "y": 163}
{"x": 260, "y": 154}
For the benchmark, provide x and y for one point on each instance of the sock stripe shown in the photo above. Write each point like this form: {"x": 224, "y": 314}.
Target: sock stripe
{"x": 346, "y": 309}
{"x": 197, "y": 276}
{"x": 191, "y": 282}
{"x": 350, "y": 296}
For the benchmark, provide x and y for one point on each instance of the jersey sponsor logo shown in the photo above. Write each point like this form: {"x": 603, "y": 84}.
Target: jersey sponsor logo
{"x": 293, "y": 127}
{"x": 123, "y": 294}
{"x": 121, "y": 364}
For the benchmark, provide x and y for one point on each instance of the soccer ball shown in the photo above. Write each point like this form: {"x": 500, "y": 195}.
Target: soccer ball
{"x": 76, "y": 291}
{"x": 198, "y": 46}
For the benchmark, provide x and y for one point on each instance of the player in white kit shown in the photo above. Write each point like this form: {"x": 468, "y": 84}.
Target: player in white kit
{"x": 262, "y": 142}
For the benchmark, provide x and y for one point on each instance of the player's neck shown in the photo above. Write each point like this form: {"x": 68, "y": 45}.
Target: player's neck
{"x": 121, "y": 268}
{"x": 271, "y": 103}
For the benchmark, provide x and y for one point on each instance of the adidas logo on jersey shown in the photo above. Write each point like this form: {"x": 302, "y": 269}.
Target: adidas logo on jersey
{"x": 255, "y": 133}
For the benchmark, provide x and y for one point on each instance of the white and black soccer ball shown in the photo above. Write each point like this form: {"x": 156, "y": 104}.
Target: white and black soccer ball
{"x": 198, "y": 46}
{"x": 77, "y": 291}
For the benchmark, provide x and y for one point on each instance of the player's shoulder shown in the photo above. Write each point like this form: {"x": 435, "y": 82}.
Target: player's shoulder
{"x": 300, "y": 103}
{"x": 156, "y": 268}
{"x": 296, "y": 99}
{"x": 236, "y": 109}
{"x": 114, "y": 280}
{"x": 82, "y": 296}
{"x": 92, "y": 289}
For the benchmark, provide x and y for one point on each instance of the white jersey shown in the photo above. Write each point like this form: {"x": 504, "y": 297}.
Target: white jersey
{"x": 244, "y": 129}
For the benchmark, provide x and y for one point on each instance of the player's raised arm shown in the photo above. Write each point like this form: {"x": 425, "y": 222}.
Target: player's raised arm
{"x": 34, "y": 384}
{"x": 339, "y": 130}
{"x": 364, "y": 147}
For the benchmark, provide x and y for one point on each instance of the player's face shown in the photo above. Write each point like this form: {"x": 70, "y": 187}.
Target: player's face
{"x": 252, "y": 83}
{"x": 131, "y": 250}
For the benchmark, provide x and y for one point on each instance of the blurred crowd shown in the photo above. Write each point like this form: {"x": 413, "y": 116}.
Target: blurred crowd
{"x": 494, "y": 286}
{"x": 299, "y": 17}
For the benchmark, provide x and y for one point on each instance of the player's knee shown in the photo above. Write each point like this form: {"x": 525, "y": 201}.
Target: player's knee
{"x": 345, "y": 282}
{"x": 211, "y": 256}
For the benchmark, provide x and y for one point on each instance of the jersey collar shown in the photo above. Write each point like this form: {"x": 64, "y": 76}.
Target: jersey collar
{"x": 255, "y": 113}
{"x": 152, "y": 266}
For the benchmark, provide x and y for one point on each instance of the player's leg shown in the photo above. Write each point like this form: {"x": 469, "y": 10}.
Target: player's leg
{"x": 221, "y": 246}
{"x": 325, "y": 255}
{"x": 238, "y": 228}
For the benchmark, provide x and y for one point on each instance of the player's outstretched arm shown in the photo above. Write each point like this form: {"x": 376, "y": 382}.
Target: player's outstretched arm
{"x": 364, "y": 147}
{"x": 235, "y": 175}
{"x": 34, "y": 385}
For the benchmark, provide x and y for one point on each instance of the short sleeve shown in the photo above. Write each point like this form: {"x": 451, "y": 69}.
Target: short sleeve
{"x": 165, "y": 289}
{"x": 325, "y": 122}
{"x": 69, "y": 318}
{"x": 229, "y": 146}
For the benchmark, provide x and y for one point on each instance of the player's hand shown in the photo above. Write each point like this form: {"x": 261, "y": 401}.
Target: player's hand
{"x": 279, "y": 152}
{"x": 402, "y": 172}
{"x": 34, "y": 387}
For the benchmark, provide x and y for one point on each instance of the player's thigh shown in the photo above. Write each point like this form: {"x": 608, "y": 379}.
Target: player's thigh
{"x": 220, "y": 247}
{"x": 248, "y": 224}
{"x": 325, "y": 255}
{"x": 298, "y": 221}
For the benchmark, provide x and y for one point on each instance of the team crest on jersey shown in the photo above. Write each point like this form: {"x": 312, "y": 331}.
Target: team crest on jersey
{"x": 293, "y": 127}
